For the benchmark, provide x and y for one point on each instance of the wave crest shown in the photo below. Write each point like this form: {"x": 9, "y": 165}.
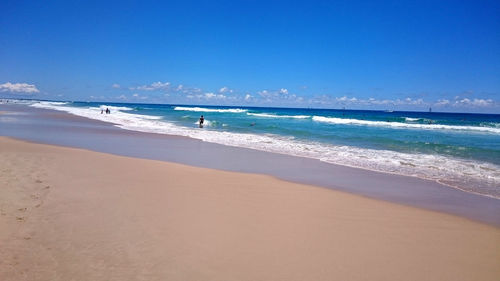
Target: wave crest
{"x": 269, "y": 115}
{"x": 472, "y": 176}
{"x": 345, "y": 121}
{"x": 202, "y": 109}
{"x": 116, "y": 108}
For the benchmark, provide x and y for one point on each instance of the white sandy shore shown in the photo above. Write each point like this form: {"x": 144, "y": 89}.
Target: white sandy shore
{"x": 72, "y": 214}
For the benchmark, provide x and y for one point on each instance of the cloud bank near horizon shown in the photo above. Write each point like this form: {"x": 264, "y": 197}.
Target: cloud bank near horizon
{"x": 166, "y": 92}
{"x": 18, "y": 88}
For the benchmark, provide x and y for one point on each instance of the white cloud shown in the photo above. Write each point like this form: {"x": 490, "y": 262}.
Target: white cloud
{"x": 346, "y": 99}
{"x": 369, "y": 102}
{"x": 475, "y": 102}
{"x": 160, "y": 85}
{"x": 225, "y": 90}
{"x": 18, "y": 88}
{"x": 141, "y": 97}
{"x": 276, "y": 94}
{"x": 373, "y": 101}
{"x": 155, "y": 86}
{"x": 442, "y": 102}
{"x": 409, "y": 101}
{"x": 122, "y": 97}
{"x": 282, "y": 97}
{"x": 263, "y": 93}
{"x": 193, "y": 92}
{"x": 385, "y": 102}
{"x": 482, "y": 102}
{"x": 463, "y": 102}
{"x": 214, "y": 96}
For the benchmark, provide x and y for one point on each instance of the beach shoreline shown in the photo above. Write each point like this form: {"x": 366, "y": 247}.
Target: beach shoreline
{"x": 249, "y": 141}
{"x": 69, "y": 213}
{"x": 453, "y": 153}
{"x": 60, "y": 128}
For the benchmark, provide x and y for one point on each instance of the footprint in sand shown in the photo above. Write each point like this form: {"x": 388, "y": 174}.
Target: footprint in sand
{"x": 47, "y": 187}
{"x": 22, "y": 209}
{"x": 39, "y": 181}
{"x": 20, "y": 219}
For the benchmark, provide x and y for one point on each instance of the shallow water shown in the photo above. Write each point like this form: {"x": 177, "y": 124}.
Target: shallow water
{"x": 460, "y": 150}
{"x": 60, "y": 128}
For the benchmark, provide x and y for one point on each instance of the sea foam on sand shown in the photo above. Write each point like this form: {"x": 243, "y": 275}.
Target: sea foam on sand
{"x": 467, "y": 175}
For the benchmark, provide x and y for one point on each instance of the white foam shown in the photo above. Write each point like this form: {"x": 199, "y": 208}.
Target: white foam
{"x": 201, "y": 109}
{"x": 346, "y": 121}
{"x": 206, "y": 123}
{"x": 110, "y": 107}
{"x": 31, "y": 102}
{"x": 472, "y": 176}
{"x": 409, "y": 119}
{"x": 54, "y": 102}
{"x": 116, "y": 116}
{"x": 269, "y": 115}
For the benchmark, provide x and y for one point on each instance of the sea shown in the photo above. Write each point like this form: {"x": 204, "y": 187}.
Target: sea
{"x": 460, "y": 150}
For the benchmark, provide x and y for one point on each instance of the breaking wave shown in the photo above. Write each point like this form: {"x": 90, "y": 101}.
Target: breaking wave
{"x": 202, "y": 109}
{"x": 345, "y": 121}
{"x": 468, "y": 175}
{"x": 268, "y": 115}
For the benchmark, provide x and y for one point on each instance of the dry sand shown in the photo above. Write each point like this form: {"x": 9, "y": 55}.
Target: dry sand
{"x": 72, "y": 214}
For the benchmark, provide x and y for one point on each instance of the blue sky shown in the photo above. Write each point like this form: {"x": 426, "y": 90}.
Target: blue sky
{"x": 401, "y": 55}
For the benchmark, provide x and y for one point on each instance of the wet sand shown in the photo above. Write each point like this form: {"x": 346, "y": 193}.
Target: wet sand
{"x": 74, "y": 214}
{"x": 60, "y": 128}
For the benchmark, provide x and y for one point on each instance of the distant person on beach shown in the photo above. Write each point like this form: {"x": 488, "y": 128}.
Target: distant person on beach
{"x": 202, "y": 119}
{"x": 102, "y": 111}
{"x": 108, "y": 111}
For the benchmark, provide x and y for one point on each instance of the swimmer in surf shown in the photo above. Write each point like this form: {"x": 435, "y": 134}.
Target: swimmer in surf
{"x": 202, "y": 119}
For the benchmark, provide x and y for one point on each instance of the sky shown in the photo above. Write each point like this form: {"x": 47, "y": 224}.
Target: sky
{"x": 397, "y": 55}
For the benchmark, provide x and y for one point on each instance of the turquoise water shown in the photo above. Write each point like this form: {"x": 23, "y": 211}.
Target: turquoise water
{"x": 457, "y": 149}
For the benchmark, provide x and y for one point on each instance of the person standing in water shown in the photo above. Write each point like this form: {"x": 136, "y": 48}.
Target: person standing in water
{"x": 202, "y": 119}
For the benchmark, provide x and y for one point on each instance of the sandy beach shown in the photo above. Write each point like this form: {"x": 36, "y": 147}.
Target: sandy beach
{"x": 249, "y": 141}
{"x": 73, "y": 214}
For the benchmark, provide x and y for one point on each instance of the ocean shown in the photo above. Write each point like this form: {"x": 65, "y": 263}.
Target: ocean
{"x": 459, "y": 150}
